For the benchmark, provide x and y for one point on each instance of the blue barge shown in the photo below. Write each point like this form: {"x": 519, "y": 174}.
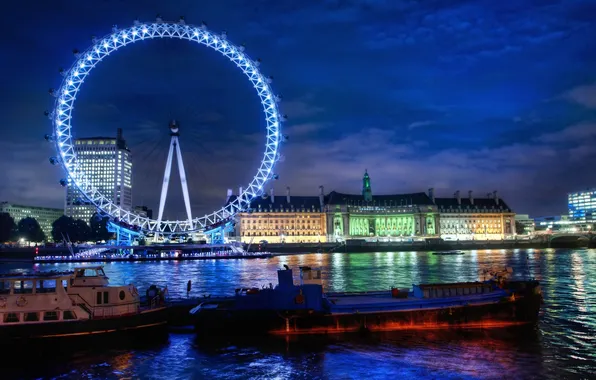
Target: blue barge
{"x": 304, "y": 308}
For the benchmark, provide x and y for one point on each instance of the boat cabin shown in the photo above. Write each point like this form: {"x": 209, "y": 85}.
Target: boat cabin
{"x": 90, "y": 276}
{"x": 310, "y": 275}
{"x": 64, "y": 296}
{"x": 34, "y": 298}
{"x": 90, "y": 290}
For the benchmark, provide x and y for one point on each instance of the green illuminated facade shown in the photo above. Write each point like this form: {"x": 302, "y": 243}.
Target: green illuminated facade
{"x": 364, "y": 216}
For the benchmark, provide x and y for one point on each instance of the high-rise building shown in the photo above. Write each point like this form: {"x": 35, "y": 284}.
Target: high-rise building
{"x": 582, "y": 206}
{"x": 45, "y": 216}
{"x": 107, "y": 163}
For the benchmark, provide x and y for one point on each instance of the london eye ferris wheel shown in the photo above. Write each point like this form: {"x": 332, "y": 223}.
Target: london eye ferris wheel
{"x": 87, "y": 60}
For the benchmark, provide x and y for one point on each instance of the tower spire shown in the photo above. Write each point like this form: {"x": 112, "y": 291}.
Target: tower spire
{"x": 366, "y": 190}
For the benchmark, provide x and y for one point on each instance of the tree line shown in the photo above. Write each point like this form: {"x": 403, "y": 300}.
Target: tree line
{"x": 65, "y": 227}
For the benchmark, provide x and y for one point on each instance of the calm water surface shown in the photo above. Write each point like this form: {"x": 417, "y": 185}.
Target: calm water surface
{"x": 562, "y": 346}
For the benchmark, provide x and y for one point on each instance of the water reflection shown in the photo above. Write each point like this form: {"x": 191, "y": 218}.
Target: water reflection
{"x": 564, "y": 346}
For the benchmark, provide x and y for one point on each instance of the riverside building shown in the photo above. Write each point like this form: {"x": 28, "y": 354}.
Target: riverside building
{"x": 338, "y": 216}
{"x": 282, "y": 219}
{"x": 45, "y": 216}
{"x": 488, "y": 218}
{"x": 107, "y": 162}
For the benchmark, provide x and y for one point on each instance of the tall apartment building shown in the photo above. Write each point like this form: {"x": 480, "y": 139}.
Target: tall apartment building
{"x": 45, "y": 216}
{"x": 107, "y": 161}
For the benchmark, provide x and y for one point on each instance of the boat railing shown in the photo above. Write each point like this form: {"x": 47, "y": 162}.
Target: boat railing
{"x": 103, "y": 311}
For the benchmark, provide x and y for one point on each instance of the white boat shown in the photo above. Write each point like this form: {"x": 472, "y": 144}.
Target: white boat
{"x": 78, "y": 303}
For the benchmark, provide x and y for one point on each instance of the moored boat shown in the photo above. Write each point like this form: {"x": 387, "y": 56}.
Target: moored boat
{"x": 288, "y": 309}
{"x": 70, "y": 304}
{"x": 448, "y": 253}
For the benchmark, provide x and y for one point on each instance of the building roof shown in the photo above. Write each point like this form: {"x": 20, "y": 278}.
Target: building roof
{"x": 336, "y": 198}
{"x": 479, "y": 203}
{"x": 8, "y": 204}
{"x": 280, "y": 202}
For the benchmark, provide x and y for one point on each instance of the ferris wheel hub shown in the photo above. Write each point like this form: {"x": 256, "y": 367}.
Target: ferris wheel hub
{"x": 174, "y": 127}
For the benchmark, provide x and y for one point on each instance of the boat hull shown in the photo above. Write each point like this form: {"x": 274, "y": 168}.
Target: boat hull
{"x": 508, "y": 311}
{"x": 154, "y": 319}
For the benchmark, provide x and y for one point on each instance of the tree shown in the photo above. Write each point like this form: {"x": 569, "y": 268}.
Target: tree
{"x": 73, "y": 230}
{"x": 520, "y": 229}
{"x": 82, "y": 231}
{"x": 99, "y": 228}
{"x": 29, "y": 229}
{"x": 62, "y": 228}
{"x": 8, "y": 228}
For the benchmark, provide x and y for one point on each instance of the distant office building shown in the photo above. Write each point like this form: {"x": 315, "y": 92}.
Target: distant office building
{"x": 143, "y": 211}
{"x": 45, "y": 216}
{"x": 582, "y": 206}
{"x": 527, "y": 222}
{"x": 107, "y": 162}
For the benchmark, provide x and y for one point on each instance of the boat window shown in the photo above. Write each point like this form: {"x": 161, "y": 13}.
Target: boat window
{"x": 68, "y": 315}
{"x": 11, "y": 317}
{"x": 122, "y": 295}
{"x": 98, "y": 299}
{"x": 86, "y": 272}
{"x": 50, "y": 316}
{"x": 100, "y": 272}
{"x": 4, "y": 287}
{"x": 65, "y": 284}
{"x": 45, "y": 286}
{"x": 23, "y": 287}
{"x": 105, "y": 297}
{"x": 31, "y": 317}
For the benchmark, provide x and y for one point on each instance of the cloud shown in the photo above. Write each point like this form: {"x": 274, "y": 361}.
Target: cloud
{"x": 584, "y": 95}
{"x": 514, "y": 170}
{"x": 300, "y": 108}
{"x": 303, "y": 129}
{"x": 418, "y": 124}
{"x": 574, "y": 133}
{"x": 28, "y": 177}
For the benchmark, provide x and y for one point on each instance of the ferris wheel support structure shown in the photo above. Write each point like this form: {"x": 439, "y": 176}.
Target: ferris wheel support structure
{"x": 174, "y": 147}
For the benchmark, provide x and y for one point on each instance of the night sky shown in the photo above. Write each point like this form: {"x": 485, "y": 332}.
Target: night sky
{"x": 469, "y": 95}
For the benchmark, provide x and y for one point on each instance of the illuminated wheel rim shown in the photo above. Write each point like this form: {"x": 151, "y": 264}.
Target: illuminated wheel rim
{"x": 86, "y": 61}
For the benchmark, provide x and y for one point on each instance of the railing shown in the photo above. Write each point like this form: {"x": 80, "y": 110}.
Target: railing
{"x": 104, "y": 311}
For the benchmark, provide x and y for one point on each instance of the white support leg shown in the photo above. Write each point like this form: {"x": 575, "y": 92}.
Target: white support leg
{"x": 183, "y": 181}
{"x": 166, "y": 182}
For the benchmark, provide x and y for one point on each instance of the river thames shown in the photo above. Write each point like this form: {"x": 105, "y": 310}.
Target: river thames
{"x": 562, "y": 346}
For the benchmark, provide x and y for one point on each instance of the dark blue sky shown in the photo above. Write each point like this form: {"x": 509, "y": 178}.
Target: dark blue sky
{"x": 468, "y": 95}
